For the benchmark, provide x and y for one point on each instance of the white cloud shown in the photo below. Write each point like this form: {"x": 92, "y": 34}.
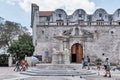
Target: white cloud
{"x": 68, "y": 5}
{"x": 12, "y": 2}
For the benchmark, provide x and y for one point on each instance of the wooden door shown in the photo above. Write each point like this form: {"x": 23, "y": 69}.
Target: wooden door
{"x": 76, "y": 53}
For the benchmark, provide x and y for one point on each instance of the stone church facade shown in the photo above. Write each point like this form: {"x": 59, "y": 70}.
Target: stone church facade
{"x": 95, "y": 35}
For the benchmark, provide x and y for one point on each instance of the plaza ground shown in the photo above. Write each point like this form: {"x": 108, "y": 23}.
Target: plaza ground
{"x": 7, "y": 73}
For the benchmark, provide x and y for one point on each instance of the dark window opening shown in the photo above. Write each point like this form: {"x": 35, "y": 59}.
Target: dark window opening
{"x": 100, "y": 22}
{"x": 118, "y": 23}
{"x": 100, "y": 14}
{"x": 112, "y": 32}
{"x": 95, "y": 31}
{"x": 103, "y": 54}
{"x": 60, "y": 15}
{"x": 110, "y": 23}
{"x": 42, "y": 32}
{"x": 67, "y": 22}
{"x": 60, "y": 22}
{"x": 80, "y": 15}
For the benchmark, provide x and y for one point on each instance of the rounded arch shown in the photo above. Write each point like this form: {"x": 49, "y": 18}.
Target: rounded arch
{"x": 100, "y": 10}
{"x": 79, "y": 14}
{"x": 76, "y": 53}
{"x": 60, "y": 11}
{"x": 100, "y": 14}
{"x": 117, "y": 11}
{"x": 60, "y": 14}
{"x": 116, "y": 15}
{"x": 80, "y": 11}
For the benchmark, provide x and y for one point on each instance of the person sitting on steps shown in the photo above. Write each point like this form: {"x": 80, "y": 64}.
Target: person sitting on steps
{"x": 107, "y": 67}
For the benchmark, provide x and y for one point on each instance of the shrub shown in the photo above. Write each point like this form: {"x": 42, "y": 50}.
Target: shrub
{"x": 98, "y": 61}
{"x": 4, "y": 60}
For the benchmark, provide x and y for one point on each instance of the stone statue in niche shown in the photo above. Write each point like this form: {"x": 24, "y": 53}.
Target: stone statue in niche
{"x": 76, "y": 31}
{"x": 55, "y": 51}
{"x": 54, "y": 56}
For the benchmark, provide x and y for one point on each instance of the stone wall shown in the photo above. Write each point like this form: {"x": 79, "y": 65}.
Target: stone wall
{"x": 105, "y": 41}
{"x": 97, "y": 33}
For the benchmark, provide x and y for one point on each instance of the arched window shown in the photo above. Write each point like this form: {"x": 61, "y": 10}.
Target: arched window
{"x": 80, "y": 15}
{"x": 100, "y": 14}
{"x": 60, "y": 15}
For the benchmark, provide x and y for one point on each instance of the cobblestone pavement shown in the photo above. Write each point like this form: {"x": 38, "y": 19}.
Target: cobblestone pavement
{"x": 7, "y": 73}
{"x": 102, "y": 78}
{"x": 99, "y": 75}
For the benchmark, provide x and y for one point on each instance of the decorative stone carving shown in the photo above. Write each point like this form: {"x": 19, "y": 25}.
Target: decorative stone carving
{"x": 67, "y": 32}
{"x": 60, "y": 57}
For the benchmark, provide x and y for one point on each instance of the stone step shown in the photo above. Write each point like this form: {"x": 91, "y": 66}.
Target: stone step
{"x": 57, "y": 73}
{"x": 59, "y": 66}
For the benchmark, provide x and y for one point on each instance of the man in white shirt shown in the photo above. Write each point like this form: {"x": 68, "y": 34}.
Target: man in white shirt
{"x": 107, "y": 67}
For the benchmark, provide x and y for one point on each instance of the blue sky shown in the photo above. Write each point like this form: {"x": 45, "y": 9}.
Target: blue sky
{"x": 109, "y": 5}
{"x": 19, "y": 10}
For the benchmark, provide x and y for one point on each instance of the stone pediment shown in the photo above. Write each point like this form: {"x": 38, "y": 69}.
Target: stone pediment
{"x": 78, "y": 33}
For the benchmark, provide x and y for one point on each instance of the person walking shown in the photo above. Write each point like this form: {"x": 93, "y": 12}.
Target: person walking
{"x": 17, "y": 66}
{"x": 23, "y": 65}
{"x": 88, "y": 62}
{"x": 107, "y": 68}
{"x": 83, "y": 63}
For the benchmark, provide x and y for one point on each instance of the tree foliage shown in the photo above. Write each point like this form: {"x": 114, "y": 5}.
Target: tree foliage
{"x": 23, "y": 46}
{"x": 4, "y": 59}
{"x": 8, "y": 32}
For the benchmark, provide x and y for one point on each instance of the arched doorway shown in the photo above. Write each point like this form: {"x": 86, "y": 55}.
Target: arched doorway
{"x": 76, "y": 53}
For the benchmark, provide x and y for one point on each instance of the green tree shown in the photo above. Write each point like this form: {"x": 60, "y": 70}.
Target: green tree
{"x": 8, "y": 32}
{"x": 2, "y": 42}
{"x": 23, "y": 46}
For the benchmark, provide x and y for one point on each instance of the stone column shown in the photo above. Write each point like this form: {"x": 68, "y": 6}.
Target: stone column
{"x": 10, "y": 61}
{"x": 60, "y": 58}
{"x": 64, "y": 45}
{"x": 54, "y": 59}
{"x": 55, "y": 56}
{"x": 61, "y": 45}
{"x": 66, "y": 56}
